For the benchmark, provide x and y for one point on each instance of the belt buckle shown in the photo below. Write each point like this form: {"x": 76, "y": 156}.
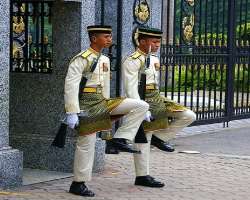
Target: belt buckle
{"x": 150, "y": 87}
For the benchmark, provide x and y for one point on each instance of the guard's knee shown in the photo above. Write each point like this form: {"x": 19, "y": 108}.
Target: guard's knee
{"x": 144, "y": 105}
{"x": 190, "y": 115}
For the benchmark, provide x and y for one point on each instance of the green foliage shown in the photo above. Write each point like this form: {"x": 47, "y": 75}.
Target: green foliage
{"x": 205, "y": 77}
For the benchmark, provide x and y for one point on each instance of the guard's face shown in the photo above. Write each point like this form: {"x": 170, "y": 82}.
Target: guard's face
{"x": 155, "y": 44}
{"x": 103, "y": 40}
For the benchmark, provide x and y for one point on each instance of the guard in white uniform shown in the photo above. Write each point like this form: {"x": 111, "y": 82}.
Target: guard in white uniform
{"x": 161, "y": 108}
{"x": 91, "y": 110}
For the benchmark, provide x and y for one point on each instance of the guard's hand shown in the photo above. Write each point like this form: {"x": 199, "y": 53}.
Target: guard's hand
{"x": 148, "y": 116}
{"x": 72, "y": 120}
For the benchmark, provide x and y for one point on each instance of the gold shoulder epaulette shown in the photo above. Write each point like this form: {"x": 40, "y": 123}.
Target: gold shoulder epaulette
{"x": 135, "y": 55}
{"x": 86, "y": 54}
{"x": 83, "y": 54}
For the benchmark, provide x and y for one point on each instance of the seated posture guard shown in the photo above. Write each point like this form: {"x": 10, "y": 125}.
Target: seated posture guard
{"x": 89, "y": 107}
{"x": 134, "y": 66}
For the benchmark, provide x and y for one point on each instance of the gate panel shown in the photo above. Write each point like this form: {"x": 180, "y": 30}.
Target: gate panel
{"x": 241, "y": 108}
{"x": 206, "y": 59}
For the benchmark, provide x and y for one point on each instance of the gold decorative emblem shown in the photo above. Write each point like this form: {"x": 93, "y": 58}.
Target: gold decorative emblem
{"x": 190, "y": 2}
{"x": 141, "y": 11}
{"x": 17, "y": 51}
{"x": 45, "y": 39}
{"x": 18, "y": 25}
{"x": 188, "y": 26}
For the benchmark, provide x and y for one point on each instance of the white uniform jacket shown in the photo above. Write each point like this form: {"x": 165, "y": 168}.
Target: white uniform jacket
{"x": 80, "y": 66}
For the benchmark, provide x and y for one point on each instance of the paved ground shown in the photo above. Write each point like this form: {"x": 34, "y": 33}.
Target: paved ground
{"x": 220, "y": 172}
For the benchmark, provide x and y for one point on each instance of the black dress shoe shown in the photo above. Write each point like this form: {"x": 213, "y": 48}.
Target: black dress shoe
{"x": 160, "y": 144}
{"x": 148, "y": 181}
{"x": 79, "y": 188}
{"x": 121, "y": 145}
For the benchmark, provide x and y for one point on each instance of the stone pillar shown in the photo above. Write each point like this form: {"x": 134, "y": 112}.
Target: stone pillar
{"x": 10, "y": 159}
{"x": 37, "y": 102}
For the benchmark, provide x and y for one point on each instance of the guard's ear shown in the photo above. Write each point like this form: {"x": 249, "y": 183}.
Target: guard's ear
{"x": 143, "y": 41}
{"x": 94, "y": 38}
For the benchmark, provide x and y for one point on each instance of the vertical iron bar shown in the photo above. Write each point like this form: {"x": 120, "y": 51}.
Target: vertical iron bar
{"x": 119, "y": 42}
{"x": 248, "y": 57}
{"x": 200, "y": 23}
{"x": 210, "y": 68}
{"x": 174, "y": 24}
{"x": 103, "y": 11}
{"x": 43, "y": 63}
{"x": 215, "y": 84}
{"x": 174, "y": 45}
{"x": 231, "y": 60}
{"x": 240, "y": 31}
{"x": 205, "y": 63}
{"x": 198, "y": 87}
{"x": 248, "y": 81}
{"x": 243, "y": 88}
{"x": 181, "y": 18}
{"x": 217, "y": 26}
{"x": 173, "y": 74}
{"x": 246, "y": 12}
{"x": 223, "y": 21}
{"x": 186, "y": 67}
{"x": 168, "y": 23}
{"x": 204, "y": 89}
{"x": 206, "y": 22}
{"x": 221, "y": 85}
{"x": 192, "y": 84}
{"x": 167, "y": 56}
{"x": 26, "y": 47}
{"x": 36, "y": 13}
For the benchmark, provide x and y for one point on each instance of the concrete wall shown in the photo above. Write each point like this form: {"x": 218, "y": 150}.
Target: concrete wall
{"x": 36, "y": 100}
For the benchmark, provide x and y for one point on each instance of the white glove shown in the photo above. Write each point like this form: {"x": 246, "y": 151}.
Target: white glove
{"x": 148, "y": 116}
{"x": 72, "y": 120}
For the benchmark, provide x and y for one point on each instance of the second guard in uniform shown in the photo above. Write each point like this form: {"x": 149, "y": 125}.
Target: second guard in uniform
{"x": 161, "y": 108}
{"x": 91, "y": 108}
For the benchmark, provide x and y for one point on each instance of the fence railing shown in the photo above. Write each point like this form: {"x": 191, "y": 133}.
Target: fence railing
{"x": 206, "y": 60}
{"x": 31, "y": 37}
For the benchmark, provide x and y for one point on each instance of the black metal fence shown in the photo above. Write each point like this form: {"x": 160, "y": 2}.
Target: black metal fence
{"x": 207, "y": 57}
{"x": 31, "y": 36}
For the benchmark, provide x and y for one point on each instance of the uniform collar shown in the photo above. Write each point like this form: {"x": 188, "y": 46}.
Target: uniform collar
{"x": 93, "y": 51}
{"x": 141, "y": 52}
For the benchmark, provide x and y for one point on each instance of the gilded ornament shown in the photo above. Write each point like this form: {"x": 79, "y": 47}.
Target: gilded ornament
{"x": 30, "y": 39}
{"x": 142, "y": 12}
{"x": 17, "y": 51}
{"x": 188, "y": 26}
{"x": 18, "y": 25}
{"x": 45, "y": 39}
{"x": 190, "y": 2}
{"x": 188, "y": 32}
